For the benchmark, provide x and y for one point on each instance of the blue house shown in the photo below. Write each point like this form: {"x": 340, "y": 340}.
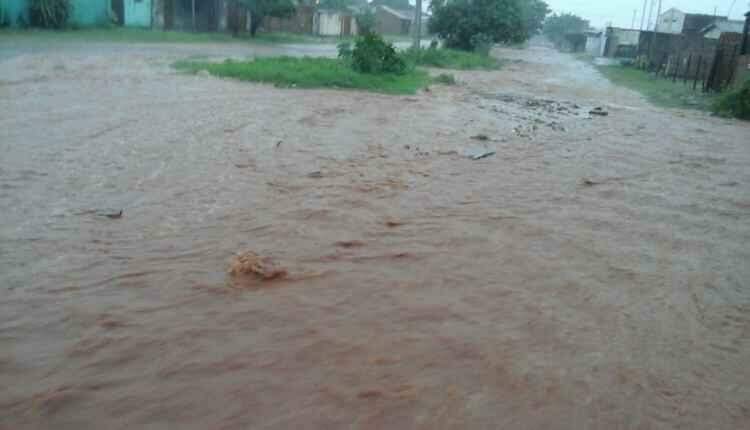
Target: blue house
{"x": 86, "y": 13}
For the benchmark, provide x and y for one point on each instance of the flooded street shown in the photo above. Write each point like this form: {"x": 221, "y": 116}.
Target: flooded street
{"x": 593, "y": 273}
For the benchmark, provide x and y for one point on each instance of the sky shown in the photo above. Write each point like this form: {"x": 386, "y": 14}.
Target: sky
{"x": 620, "y": 12}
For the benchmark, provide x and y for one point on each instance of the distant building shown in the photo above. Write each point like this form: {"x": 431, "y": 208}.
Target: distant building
{"x": 675, "y": 21}
{"x": 671, "y": 21}
{"x": 715, "y": 30}
{"x": 393, "y": 21}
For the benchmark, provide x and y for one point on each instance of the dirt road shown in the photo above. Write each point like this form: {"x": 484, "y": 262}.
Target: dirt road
{"x": 592, "y": 274}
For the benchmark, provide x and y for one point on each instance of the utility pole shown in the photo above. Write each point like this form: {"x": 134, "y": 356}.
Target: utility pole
{"x": 643, "y": 14}
{"x": 193, "y": 16}
{"x": 417, "y": 24}
{"x": 658, "y": 12}
{"x": 650, "y": 12}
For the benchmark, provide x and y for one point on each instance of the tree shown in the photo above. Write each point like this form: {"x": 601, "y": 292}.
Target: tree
{"x": 260, "y": 9}
{"x": 461, "y": 22}
{"x": 395, "y": 4}
{"x": 335, "y": 4}
{"x": 557, "y": 26}
{"x": 533, "y": 12}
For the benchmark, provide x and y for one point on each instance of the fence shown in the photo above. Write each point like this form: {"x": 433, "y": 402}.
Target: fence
{"x": 712, "y": 63}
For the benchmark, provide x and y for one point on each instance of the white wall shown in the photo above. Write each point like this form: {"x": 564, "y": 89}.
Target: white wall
{"x": 327, "y": 23}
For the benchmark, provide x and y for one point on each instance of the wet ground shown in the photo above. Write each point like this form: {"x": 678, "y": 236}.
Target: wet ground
{"x": 591, "y": 274}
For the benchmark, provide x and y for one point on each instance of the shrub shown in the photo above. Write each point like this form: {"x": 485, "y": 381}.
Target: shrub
{"x": 445, "y": 78}
{"x": 372, "y": 54}
{"x": 345, "y": 50}
{"x": 450, "y": 59}
{"x": 735, "y": 103}
{"x": 50, "y": 13}
{"x": 481, "y": 43}
{"x": 365, "y": 21}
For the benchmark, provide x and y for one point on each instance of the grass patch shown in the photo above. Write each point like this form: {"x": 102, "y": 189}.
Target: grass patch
{"x": 143, "y": 35}
{"x": 451, "y": 59}
{"x": 659, "y": 91}
{"x": 310, "y": 73}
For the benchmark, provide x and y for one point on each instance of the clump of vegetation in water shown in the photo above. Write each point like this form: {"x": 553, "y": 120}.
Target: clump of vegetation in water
{"x": 311, "y": 73}
{"x": 445, "y": 79}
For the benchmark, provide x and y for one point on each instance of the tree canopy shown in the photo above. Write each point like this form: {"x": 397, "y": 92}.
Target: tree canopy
{"x": 557, "y": 26}
{"x": 395, "y": 4}
{"x": 463, "y": 22}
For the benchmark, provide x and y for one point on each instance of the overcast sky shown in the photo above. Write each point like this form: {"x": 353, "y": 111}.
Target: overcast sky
{"x": 620, "y": 12}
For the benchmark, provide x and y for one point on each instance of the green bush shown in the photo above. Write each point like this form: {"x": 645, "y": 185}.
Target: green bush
{"x": 365, "y": 21}
{"x": 50, "y": 13}
{"x": 735, "y": 103}
{"x": 345, "y": 50}
{"x": 481, "y": 43}
{"x": 445, "y": 79}
{"x": 374, "y": 55}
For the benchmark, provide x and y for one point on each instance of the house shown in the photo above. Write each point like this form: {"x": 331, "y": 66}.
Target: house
{"x": 85, "y": 12}
{"x": 135, "y": 13}
{"x": 671, "y": 21}
{"x": 675, "y": 21}
{"x": 715, "y": 29}
{"x": 393, "y": 21}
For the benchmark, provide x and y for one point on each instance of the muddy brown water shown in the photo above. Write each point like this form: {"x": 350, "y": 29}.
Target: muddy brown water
{"x": 592, "y": 274}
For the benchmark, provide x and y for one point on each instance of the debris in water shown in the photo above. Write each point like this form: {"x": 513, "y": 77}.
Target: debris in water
{"x": 278, "y": 143}
{"x": 729, "y": 184}
{"x": 316, "y": 174}
{"x": 350, "y": 243}
{"x": 482, "y": 137}
{"x": 598, "y": 111}
{"x": 113, "y": 215}
{"x": 393, "y": 223}
{"x": 478, "y": 153}
{"x": 252, "y": 264}
{"x": 590, "y": 182}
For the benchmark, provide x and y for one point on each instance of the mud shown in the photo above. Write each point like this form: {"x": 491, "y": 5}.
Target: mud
{"x": 492, "y": 293}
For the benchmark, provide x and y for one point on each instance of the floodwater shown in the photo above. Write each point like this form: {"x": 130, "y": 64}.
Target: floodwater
{"x": 593, "y": 273}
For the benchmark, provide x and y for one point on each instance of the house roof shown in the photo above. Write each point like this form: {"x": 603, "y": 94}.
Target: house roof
{"x": 401, "y": 13}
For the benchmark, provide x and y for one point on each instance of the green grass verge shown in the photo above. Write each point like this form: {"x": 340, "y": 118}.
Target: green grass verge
{"x": 310, "y": 73}
{"x": 451, "y": 59}
{"x": 142, "y": 35}
{"x": 659, "y": 91}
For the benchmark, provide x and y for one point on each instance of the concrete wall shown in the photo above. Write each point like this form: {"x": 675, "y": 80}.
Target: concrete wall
{"x": 595, "y": 45}
{"x": 327, "y": 23}
{"x": 620, "y": 40}
{"x": 137, "y": 13}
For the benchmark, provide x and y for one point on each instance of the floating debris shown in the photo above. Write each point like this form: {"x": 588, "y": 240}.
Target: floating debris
{"x": 254, "y": 265}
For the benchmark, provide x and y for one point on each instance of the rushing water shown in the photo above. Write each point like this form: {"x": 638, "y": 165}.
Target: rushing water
{"x": 592, "y": 274}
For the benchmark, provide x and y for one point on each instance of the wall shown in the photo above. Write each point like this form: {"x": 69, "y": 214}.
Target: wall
{"x": 595, "y": 44}
{"x": 89, "y": 12}
{"x": 327, "y": 23}
{"x": 137, "y": 13}
{"x": 85, "y": 12}
{"x": 301, "y": 22}
{"x": 621, "y": 42}
{"x": 13, "y": 9}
